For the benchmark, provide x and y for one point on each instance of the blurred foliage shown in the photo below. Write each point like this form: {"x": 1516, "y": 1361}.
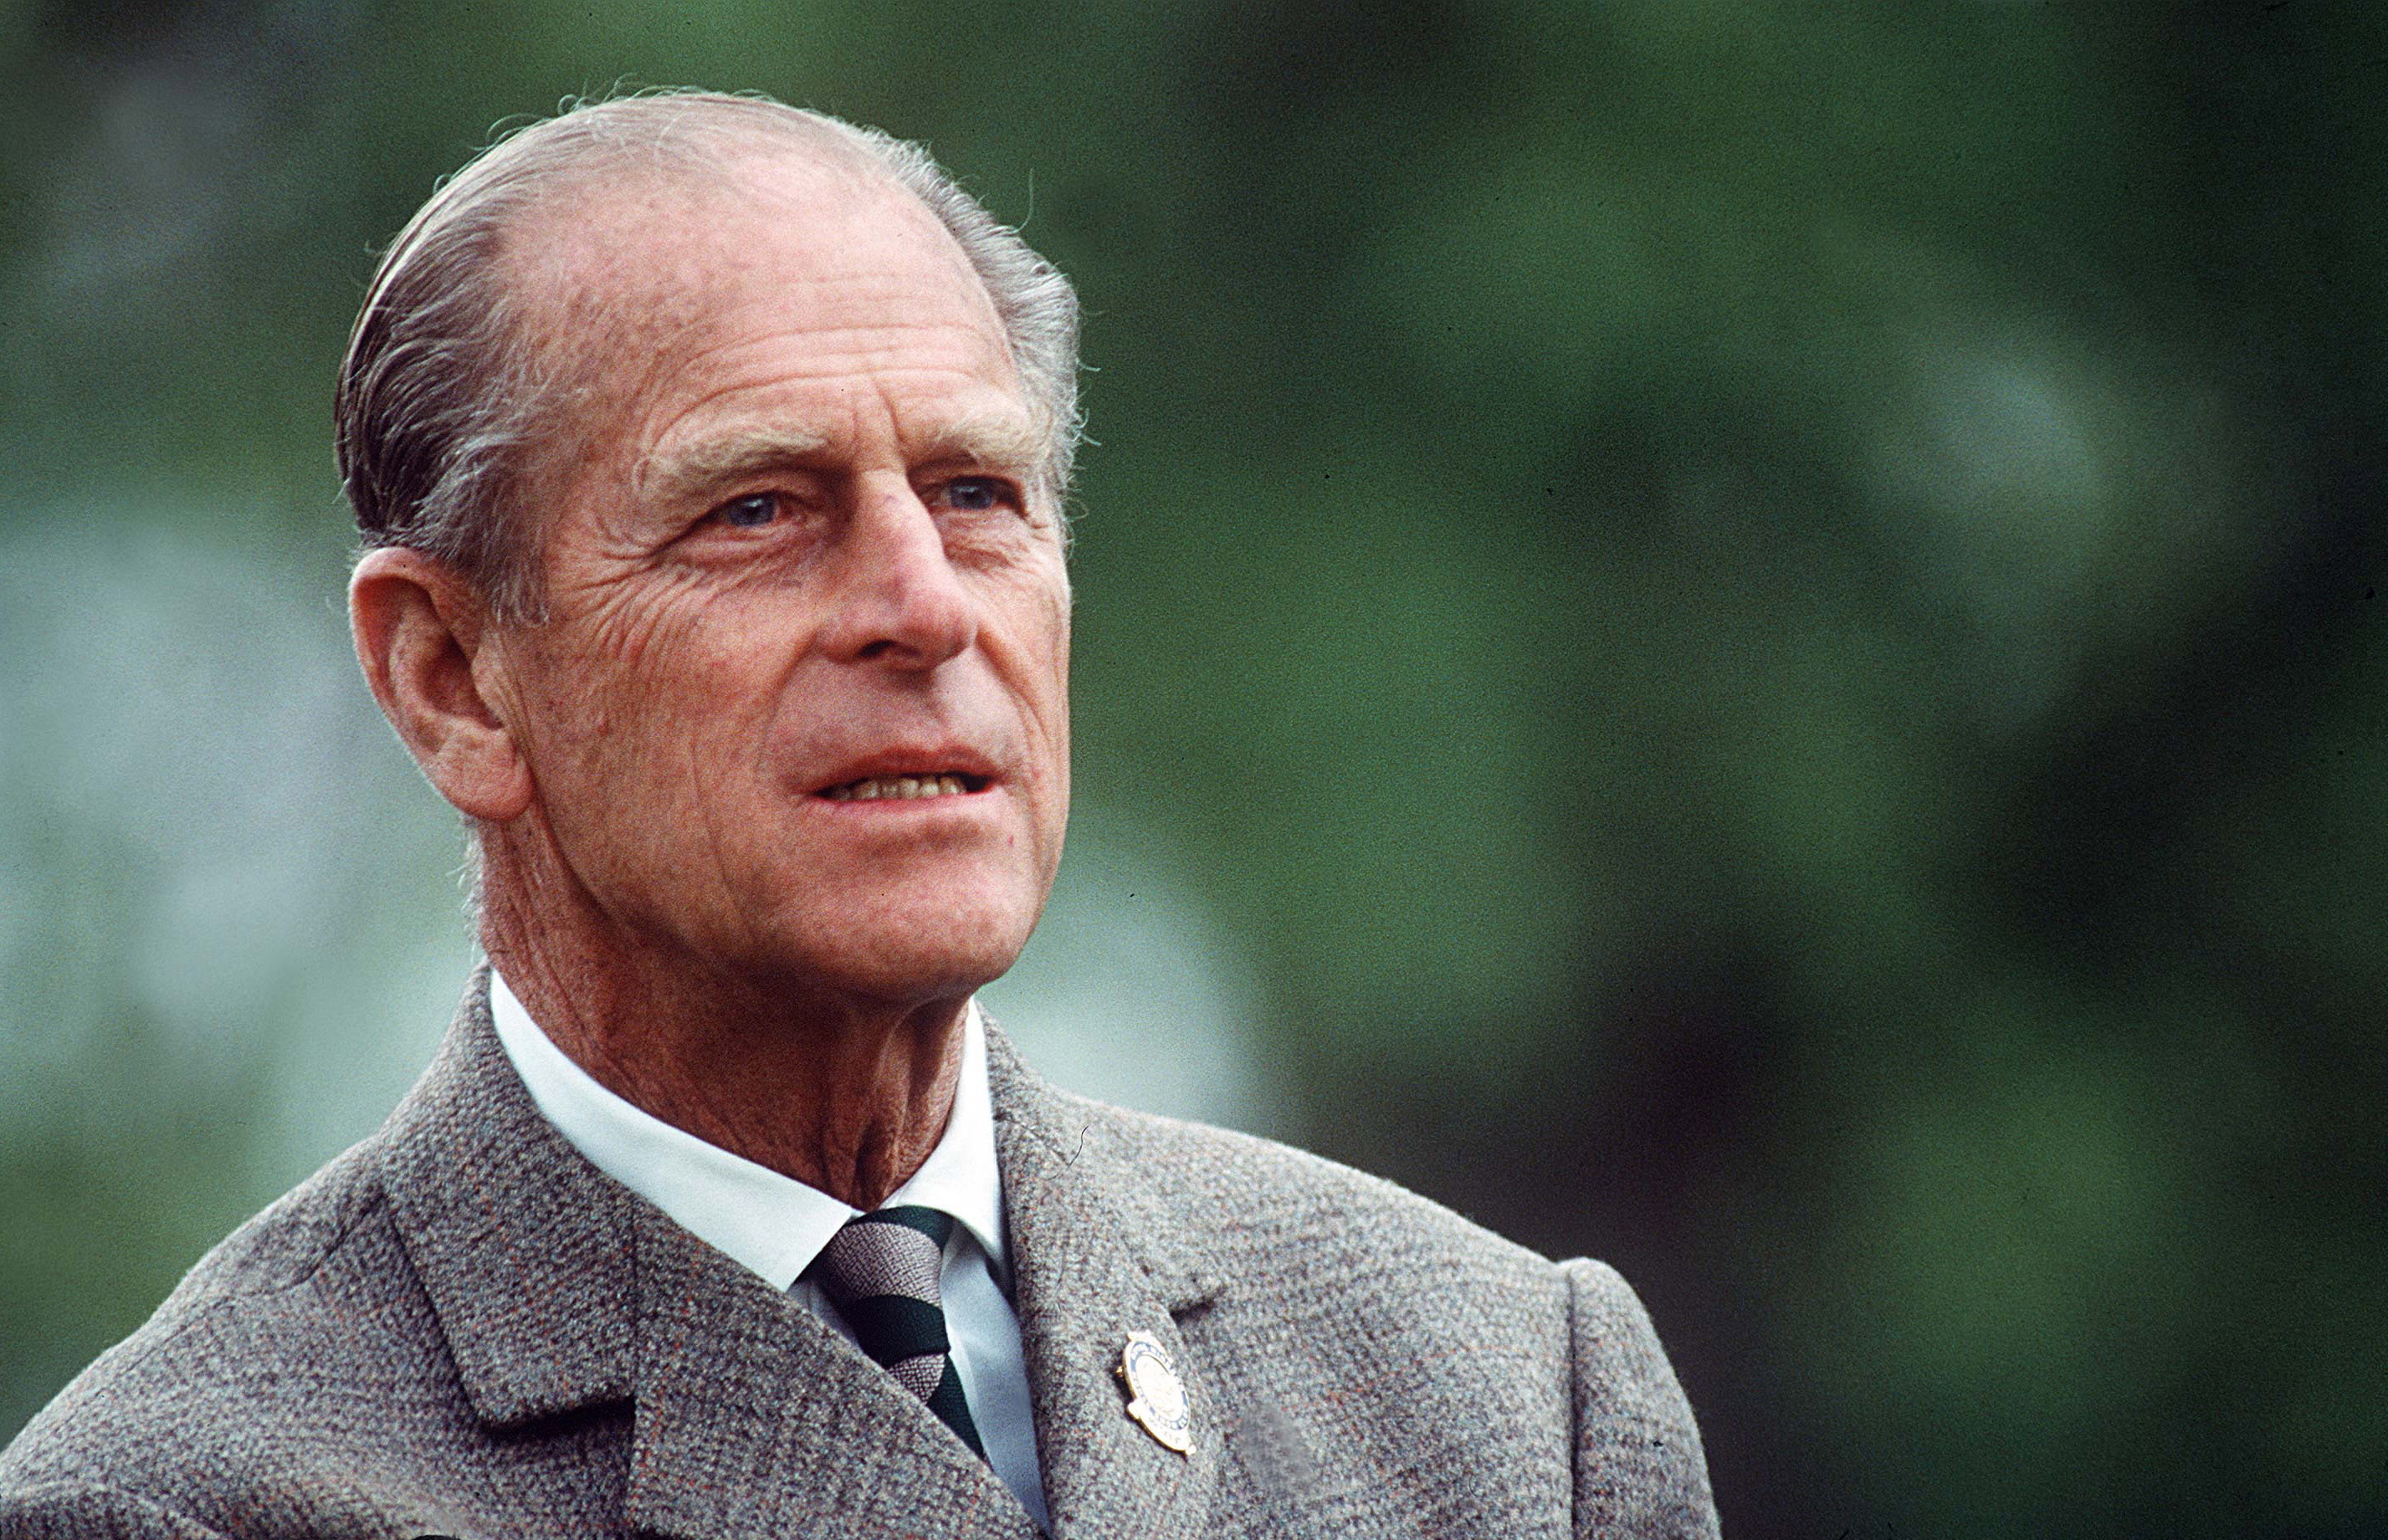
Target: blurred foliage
{"x": 1760, "y": 626}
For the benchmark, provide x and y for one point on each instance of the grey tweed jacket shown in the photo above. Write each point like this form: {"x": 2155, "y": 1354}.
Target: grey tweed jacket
{"x": 462, "y": 1328}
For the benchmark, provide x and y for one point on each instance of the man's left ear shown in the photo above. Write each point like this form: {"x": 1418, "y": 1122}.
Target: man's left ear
{"x": 418, "y": 625}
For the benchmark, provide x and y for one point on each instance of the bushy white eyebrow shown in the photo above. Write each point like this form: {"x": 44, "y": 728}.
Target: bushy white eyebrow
{"x": 997, "y": 442}
{"x": 697, "y": 470}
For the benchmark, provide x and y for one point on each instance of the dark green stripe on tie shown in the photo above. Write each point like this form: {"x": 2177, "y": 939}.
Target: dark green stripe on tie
{"x": 894, "y": 1327}
{"x": 947, "y": 1403}
{"x": 935, "y": 1224}
{"x": 882, "y": 1272}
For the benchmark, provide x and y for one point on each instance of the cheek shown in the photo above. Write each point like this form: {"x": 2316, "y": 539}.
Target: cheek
{"x": 642, "y": 626}
{"x": 1053, "y": 710}
{"x": 1052, "y": 610}
{"x": 1049, "y": 603}
{"x": 624, "y": 682}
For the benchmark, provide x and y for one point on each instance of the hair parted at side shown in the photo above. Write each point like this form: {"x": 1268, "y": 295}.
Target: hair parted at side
{"x": 443, "y": 405}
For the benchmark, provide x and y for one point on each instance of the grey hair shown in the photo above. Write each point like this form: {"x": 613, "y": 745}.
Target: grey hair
{"x": 444, "y": 404}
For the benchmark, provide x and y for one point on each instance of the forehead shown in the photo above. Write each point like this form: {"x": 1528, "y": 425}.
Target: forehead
{"x": 653, "y": 288}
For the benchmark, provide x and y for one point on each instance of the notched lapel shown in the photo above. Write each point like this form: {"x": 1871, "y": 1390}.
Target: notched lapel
{"x": 755, "y": 1417}
{"x": 1095, "y": 1261}
{"x": 522, "y": 1246}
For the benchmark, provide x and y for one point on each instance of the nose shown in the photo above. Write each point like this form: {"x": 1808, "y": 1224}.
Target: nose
{"x": 900, "y": 601}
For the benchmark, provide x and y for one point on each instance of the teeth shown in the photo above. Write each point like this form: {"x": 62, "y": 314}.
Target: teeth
{"x": 873, "y": 787}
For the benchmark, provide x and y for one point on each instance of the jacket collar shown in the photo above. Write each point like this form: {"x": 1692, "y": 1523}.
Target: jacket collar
{"x": 526, "y": 1249}
{"x": 557, "y": 1289}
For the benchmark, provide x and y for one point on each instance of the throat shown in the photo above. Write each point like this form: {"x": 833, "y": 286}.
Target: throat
{"x": 855, "y": 1124}
{"x": 846, "y": 1097}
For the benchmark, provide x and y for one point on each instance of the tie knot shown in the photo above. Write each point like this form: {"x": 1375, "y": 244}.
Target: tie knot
{"x": 896, "y": 1251}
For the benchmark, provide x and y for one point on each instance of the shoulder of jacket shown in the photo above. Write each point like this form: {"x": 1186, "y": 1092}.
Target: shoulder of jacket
{"x": 1274, "y": 1190}
{"x": 285, "y": 1244}
{"x": 1640, "y": 1467}
{"x": 244, "y": 1314}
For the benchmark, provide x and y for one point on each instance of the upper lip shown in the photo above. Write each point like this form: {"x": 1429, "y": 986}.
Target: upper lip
{"x": 935, "y": 761}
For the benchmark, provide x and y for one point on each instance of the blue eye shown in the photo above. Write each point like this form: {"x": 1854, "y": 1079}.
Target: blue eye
{"x": 974, "y": 494}
{"x": 752, "y": 512}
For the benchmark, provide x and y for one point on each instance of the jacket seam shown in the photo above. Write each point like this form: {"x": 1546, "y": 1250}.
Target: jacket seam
{"x": 231, "y": 1297}
{"x": 117, "y": 1499}
{"x": 1575, "y": 1405}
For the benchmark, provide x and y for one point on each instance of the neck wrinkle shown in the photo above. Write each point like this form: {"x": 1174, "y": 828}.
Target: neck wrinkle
{"x": 847, "y": 1097}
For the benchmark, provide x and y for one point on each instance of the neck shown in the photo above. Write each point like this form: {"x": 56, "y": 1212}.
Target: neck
{"x": 843, "y": 1094}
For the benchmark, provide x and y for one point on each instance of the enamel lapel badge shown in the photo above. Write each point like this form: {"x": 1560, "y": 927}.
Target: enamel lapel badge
{"x": 1156, "y": 1397}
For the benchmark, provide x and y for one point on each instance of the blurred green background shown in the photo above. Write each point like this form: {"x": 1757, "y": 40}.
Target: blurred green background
{"x": 1741, "y": 638}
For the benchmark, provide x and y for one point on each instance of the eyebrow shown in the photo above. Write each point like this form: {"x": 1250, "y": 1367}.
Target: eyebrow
{"x": 692, "y": 472}
{"x": 998, "y": 442}
{"x": 1003, "y": 443}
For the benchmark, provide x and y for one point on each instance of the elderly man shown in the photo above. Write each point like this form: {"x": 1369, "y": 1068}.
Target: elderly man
{"x": 710, "y": 459}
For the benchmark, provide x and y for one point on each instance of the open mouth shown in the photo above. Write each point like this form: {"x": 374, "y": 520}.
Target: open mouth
{"x": 904, "y": 787}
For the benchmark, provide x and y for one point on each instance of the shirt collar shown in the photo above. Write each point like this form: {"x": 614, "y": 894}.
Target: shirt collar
{"x": 772, "y": 1225}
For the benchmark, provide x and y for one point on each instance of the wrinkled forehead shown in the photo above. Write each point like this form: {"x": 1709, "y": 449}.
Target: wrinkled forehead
{"x": 663, "y": 253}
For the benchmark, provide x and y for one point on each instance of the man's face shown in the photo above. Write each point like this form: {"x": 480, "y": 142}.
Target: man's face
{"x": 798, "y": 711}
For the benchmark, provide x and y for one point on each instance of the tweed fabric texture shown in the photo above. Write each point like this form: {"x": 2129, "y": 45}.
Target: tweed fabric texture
{"x": 460, "y": 1327}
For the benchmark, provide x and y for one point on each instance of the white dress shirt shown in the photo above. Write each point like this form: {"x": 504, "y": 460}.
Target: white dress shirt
{"x": 774, "y": 1224}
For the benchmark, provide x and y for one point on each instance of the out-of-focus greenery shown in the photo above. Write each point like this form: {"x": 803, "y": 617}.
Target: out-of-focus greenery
{"x": 1744, "y": 639}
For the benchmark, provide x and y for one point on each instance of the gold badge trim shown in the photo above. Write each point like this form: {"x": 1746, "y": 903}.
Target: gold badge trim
{"x": 1156, "y": 1395}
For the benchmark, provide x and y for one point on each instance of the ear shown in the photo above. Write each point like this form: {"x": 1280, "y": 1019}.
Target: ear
{"x": 419, "y": 626}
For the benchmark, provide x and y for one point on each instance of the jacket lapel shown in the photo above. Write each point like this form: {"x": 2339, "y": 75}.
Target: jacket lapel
{"x": 1096, "y": 1254}
{"x": 523, "y": 1246}
{"x": 753, "y": 1418}
{"x": 558, "y": 1289}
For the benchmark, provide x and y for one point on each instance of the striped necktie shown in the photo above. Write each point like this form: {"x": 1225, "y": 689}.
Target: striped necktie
{"x": 881, "y": 1272}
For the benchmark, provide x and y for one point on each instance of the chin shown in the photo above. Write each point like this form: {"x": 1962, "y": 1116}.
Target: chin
{"x": 915, "y": 964}
{"x": 908, "y": 982}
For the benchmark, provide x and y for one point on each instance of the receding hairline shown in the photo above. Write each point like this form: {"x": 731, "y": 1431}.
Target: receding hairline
{"x": 553, "y": 155}
{"x": 458, "y": 372}
{"x": 596, "y": 303}
{"x": 608, "y": 178}
{"x": 705, "y": 150}
{"x": 688, "y": 144}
